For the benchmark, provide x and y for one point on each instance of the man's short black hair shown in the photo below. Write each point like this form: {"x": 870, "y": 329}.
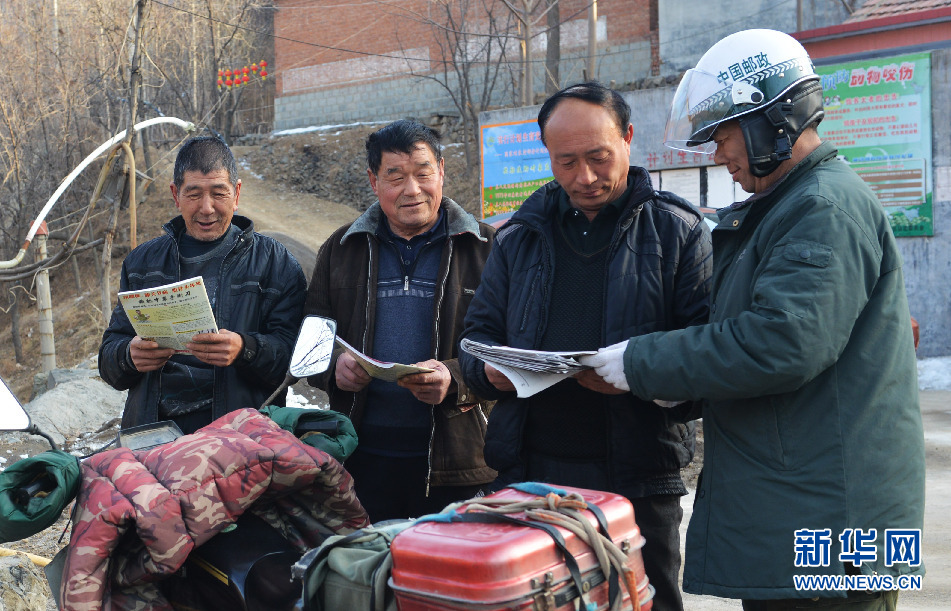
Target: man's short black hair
{"x": 204, "y": 154}
{"x": 595, "y": 93}
{"x": 400, "y": 137}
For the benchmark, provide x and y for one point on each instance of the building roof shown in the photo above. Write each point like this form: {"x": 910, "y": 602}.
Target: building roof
{"x": 877, "y": 9}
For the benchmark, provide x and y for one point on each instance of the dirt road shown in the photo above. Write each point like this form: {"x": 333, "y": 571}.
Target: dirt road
{"x": 275, "y": 209}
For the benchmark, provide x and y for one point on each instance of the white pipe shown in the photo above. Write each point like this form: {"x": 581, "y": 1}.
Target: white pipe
{"x": 186, "y": 125}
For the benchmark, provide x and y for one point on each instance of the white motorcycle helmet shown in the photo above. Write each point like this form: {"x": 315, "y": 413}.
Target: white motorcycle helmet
{"x": 762, "y": 78}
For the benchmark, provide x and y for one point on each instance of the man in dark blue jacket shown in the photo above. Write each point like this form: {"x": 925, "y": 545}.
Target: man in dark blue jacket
{"x": 255, "y": 286}
{"x": 593, "y": 257}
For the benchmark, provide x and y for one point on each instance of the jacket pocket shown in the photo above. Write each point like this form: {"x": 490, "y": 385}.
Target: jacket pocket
{"x": 794, "y": 274}
{"x": 139, "y": 281}
{"x": 250, "y": 302}
{"x": 774, "y": 433}
{"x": 808, "y": 253}
{"x": 755, "y": 431}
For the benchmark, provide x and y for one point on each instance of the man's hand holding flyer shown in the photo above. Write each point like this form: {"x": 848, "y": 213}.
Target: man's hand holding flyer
{"x": 170, "y": 314}
{"x": 389, "y": 372}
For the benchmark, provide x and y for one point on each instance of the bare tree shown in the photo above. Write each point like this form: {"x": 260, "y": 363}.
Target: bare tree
{"x": 473, "y": 38}
{"x": 208, "y": 36}
{"x": 44, "y": 126}
{"x": 527, "y": 19}
{"x": 65, "y": 89}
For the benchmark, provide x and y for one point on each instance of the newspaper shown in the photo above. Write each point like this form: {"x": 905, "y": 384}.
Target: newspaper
{"x": 530, "y": 371}
{"x": 171, "y": 314}
{"x": 382, "y": 370}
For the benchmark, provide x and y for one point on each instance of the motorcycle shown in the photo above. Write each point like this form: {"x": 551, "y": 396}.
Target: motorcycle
{"x": 225, "y": 572}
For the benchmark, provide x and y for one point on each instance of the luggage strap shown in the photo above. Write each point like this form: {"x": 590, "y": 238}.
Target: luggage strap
{"x": 551, "y": 507}
{"x": 570, "y": 562}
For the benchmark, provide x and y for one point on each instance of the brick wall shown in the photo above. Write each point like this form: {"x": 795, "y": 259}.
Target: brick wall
{"x": 389, "y": 43}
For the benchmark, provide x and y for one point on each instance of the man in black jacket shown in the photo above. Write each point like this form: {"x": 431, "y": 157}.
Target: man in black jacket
{"x": 255, "y": 286}
{"x": 593, "y": 257}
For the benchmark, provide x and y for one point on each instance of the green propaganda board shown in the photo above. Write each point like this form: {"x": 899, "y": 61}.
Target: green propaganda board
{"x": 878, "y": 114}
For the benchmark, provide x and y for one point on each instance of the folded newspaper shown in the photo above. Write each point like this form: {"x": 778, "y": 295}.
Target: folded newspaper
{"x": 530, "y": 371}
{"x": 170, "y": 314}
{"x": 382, "y": 370}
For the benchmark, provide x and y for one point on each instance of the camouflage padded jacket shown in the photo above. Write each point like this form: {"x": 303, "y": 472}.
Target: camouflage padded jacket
{"x": 139, "y": 514}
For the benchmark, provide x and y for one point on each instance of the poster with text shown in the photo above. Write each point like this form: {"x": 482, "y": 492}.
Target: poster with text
{"x": 878, "y": 114}
{"x": 514, "y": 165}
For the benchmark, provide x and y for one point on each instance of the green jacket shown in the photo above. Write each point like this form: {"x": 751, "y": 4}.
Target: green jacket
{"x": 808, "y": 368}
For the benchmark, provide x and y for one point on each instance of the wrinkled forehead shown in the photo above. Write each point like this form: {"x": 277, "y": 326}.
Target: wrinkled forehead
{"x": 420, "y": 155}
{"x": 216, "y": 179}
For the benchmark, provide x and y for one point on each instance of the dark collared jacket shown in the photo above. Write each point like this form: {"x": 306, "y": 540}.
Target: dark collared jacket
{"x": 261, "y": 294}
{"x": 658, "y": 273}
{"x": 344, "y": 288}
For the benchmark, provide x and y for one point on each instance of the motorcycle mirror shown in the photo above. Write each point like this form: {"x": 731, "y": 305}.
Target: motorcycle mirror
{"x": 312, "y": 352}
{"x": 14, "y": 418}
{"x": 12, "y": 415}
{"x": 314, "y": 347}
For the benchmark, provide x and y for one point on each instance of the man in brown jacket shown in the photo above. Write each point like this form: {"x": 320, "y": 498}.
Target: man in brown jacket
{"x": 398, "y": 280}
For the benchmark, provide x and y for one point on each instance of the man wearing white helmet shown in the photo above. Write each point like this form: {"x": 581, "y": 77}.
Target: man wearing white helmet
{"x": 814, "y": 451}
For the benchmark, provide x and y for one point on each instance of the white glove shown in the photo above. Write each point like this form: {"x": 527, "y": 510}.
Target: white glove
{"x": 609, "y": 364}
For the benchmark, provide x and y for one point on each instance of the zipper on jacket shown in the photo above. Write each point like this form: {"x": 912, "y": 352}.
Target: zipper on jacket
{"x": 405, "y": 283}
{"x": 366, "y": 314}
{"x": 215, "y": 393}
{"x": 528, "y": 304}
{"x": 547, "y": 267}
{"x": 436, "y": 318}
{"x": 429, "y": 458}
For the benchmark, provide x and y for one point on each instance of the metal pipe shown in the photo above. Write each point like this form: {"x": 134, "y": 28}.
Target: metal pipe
{"x": 186, "y": 125}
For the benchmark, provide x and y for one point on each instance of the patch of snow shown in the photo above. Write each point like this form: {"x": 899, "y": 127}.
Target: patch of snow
{"x": 320, "y": 128}
{"x": 296, "y": 400}
{"x": 246, "y": 166}
{"x": 934, "y": 373}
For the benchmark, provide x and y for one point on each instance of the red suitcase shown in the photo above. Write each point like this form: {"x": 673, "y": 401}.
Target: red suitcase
{"x": 439, "y": 566}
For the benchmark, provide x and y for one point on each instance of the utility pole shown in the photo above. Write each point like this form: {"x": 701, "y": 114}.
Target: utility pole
{"x": 592, "y": 40}
{"x": 55, "y": 25}
{"x": 44, "y": 302}
{"x": 135, "y": 77}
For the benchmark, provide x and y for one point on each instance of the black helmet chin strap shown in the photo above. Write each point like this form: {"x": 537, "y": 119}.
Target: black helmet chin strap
{"x": 771, "y": 134}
